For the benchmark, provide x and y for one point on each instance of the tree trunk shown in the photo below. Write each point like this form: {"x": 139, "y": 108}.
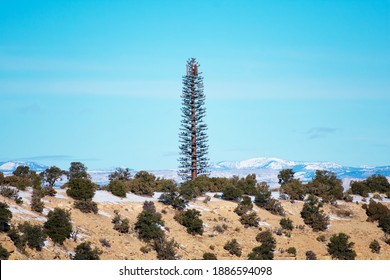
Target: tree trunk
{"x": 194, "y": 171}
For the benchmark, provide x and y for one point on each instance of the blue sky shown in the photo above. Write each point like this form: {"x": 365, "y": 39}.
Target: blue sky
{"x": 100, "y": 81}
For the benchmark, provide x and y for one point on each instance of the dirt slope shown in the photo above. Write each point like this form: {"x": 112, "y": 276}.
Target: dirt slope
{"x": 91, "y": 227}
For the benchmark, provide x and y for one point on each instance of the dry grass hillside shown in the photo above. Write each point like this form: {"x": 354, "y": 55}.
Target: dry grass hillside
{"x": 93, "y": 227}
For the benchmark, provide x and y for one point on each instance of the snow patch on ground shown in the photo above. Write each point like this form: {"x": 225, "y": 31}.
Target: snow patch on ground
{"x": 336, "y": 218}
{"x": 275, "y": 195}
{"x": 25, "y": 194}
{"x": 82, "y": 236}
{"x": 61, "y": 193}
{"x": 198, "y": 207}
{"x": 46, "y": 210}
{"x": 359, "y": 198}
{"x": 104, "y": 214}
{"x": 211, "y": 195}
{"x": 109, "y": 198}
{"x": 264, "y": 224}
{"x": 17, "y": 210}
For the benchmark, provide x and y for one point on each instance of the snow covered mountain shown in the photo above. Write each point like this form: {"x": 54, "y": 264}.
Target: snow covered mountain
{"x": 10, "y": 166}
{"x": 275, "y": 163}
{"x": 304, "y": 170}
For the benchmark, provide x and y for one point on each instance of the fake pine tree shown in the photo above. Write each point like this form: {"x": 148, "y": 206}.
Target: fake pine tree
{"x": 193, "y": 138}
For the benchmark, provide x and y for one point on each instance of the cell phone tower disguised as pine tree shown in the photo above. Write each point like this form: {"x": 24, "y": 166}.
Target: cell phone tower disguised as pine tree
{"x": 193, "y": 138}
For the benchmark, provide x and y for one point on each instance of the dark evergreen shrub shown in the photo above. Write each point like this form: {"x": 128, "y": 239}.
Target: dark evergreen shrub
{"x": 12, "y": 193}
{"x": 263, "y": 195}
{"x": 286, "y": 223}
{"x": 105, "y": 242}
{"x": 209, "y": 256}
{"x": 144, "y": 183}
{"x": 359, "y": 188}
{"x": 5, "y": 217}
{"x": 191, "y": 189}
{"x": 121, "y": 225}
{"x": 292, "y": 251}
{"x": 21, "y": 183}
{"x": 26, "y": 233}
{"x": 264, "y": 236}
{"x": 37, "y": 204}
{"x": 384, "y": 224}
{"x": 173, "y": 198}
{"x": 190, "y": 219}
{"x": 294, "y": 189}
{"x": 16, "y": 237}
{"x": 374, "y": 183}
{"x": 263, "y": 199}
{"x": 166, "y": 185}
{"x": 9, "y": 192}
{"x": 262, "y": 252}
{"x": 375, "y": 210}
{"x": 275, "y": 207}
{"x": 266, "y": 250}
{"x": 375, "y": 246}
{"x": 81, "y": 189}
{"x": 378, "y": 183}
{"x": 51, "y": 175}
{"x": 33, "y": 235}
{"x": 321, "y": 238}
{"x": 310, "y": 255}
{"x": 233, "y": 247}
{"x": 148, "y": 224}
{"x": 77, "y": 170}
{"x": 339, "y": 247}
{"x": 285, "y": 176}
{"x": 118, "y": 188}
{"x": 38, "y": 192}
{"x": 247, "y": 185}
{"x": 250, "y": 219}
{"x": 244, "y": 206}
{"x": 347, "y": 197}
{"x": 219, "y": 229}
{"x": 22, "y": 171}
{"x": 214, "y": 184}
{"x": 86, "y": 206}
{"x": 326, "y": 185}
{"x": 145, "y": 249}
{"x": 4, "y": 254}
{"x": 313, "y": 215}
{"x": 50, "y": 191}
{"x": 19, "y": 200}
{"x": 120, "y": 174}
{"x": 166, "y": 250}
{"x": 58, "y": 225}
{"x": 84, "y": 251}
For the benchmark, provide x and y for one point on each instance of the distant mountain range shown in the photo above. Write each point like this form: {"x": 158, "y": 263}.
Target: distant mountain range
{"x": 10, "y": 166}
{"x": 266, "y": 169}
{"x": 275, "y": 163}
{"x": 303, "y": 169}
